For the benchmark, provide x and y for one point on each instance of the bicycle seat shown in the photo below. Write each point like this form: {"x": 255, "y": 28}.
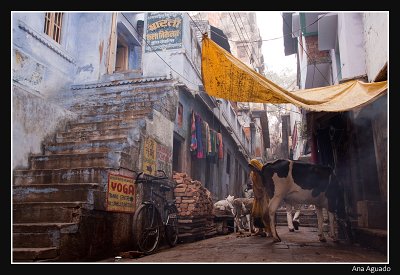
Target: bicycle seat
{"x": 164, "y": 188}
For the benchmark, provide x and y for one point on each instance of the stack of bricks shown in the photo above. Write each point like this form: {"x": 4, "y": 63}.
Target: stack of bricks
{"x": 195, "y": 209}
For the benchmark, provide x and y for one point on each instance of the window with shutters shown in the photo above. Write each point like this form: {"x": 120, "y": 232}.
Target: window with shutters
{"x": 53, "y": 25}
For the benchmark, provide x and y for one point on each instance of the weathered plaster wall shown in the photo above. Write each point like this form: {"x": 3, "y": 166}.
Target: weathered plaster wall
{"x": 33, "y": 119}
{"x": 91, "y": 50}
{"x": 48, "y": 67}
{"x": 39, "y": 62}
{"x": 160, "y": 128}
{"x": 351, "y": 44}
{"x": 376, "y": 42}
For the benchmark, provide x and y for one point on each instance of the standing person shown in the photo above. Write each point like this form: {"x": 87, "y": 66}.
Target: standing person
{"x": 293, "y": 222}
{"x": 248, "y": 192}
{"x": 260, "y": 208}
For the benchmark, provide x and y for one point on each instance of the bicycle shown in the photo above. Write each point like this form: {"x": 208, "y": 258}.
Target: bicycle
{"x": 149, "y": 222}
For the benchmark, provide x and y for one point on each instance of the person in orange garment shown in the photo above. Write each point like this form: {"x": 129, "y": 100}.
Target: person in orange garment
{"x": 261, "y": 201}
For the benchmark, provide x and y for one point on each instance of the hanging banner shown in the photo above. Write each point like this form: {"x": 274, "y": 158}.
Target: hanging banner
{"x": 225, "y": 76}
{"x": 164, "y": 31}
{"x": 120, "y": 194}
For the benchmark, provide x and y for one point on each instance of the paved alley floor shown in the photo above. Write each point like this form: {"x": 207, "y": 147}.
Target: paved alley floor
{"x": 300, "y": 246}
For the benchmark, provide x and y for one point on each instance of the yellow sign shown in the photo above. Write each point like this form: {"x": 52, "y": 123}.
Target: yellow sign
{"x": 120, "y": 194}
{"x": 149, "y": 156}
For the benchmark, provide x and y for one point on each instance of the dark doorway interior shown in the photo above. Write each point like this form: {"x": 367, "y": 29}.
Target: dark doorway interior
{"x": 176, "y": 156}
{"x": 366, "y": 158}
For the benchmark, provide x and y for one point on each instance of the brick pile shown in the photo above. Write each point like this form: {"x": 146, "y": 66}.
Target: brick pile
{"x": 195, "y": 209}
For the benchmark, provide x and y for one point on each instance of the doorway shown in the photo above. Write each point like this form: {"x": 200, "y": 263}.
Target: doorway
{"x": 177, "y": 155}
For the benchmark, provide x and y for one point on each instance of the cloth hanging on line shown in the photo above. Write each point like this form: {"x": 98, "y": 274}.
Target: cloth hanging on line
{"x": 205, "y": 142}
{"x": 193, "y": 142}
{"x": 225, "y": 76}
{"x": 200, "y": 153}
{"x": 220, "y": 146}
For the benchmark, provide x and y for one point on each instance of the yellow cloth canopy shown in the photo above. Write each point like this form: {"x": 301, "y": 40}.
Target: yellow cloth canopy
{"x": 225, "y": 76}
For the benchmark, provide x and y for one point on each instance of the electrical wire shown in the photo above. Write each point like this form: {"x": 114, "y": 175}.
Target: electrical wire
{"x": 195, "y": 23}
{"x": 247, "y": 53}
{"x": 178, "y": 72}
{"x": 201, "y": 19}
{"x": 339, "y": 72}
{"x": 239, "y": 37}
{"x": 315, "y": 66}
{"x": 283, "y": 108}
{"x": 312, "y": 85}
{"x": 248, "y": 37}
{"x": 244, "y": 38}
{"x": 280, "y": 37}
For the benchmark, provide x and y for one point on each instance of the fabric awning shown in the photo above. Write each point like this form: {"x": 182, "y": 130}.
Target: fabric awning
{"x": 225, "y": 76}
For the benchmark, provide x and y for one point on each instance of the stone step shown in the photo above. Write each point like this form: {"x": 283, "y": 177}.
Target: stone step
{"x": 86, "y": 135}
{"x": 45, "y": 227}
{"x": 54, "y": 192}
{"x": 60, "y": 175}
{"x": 125, "y": 115}
{"x": 122, "y": 98}
{"x": 119, "y": 97}
{"x": 36, "y": 235}
{"x": 120, "y": 76}
{"x": 136, "y": 92}
{"x": 106, "y": 159}
{"x": 36, "y": 239}
{"x": 114, "y": 106}
{"x": 106, "y": 125}
{"x": 91, "y": 146}
{"x": 57, "y": 212}
{"x": 307, "y": 218}
{"x": 34, "y": 254}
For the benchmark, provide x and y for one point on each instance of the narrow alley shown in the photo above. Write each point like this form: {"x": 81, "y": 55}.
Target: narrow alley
{"x": 132, "y": 130}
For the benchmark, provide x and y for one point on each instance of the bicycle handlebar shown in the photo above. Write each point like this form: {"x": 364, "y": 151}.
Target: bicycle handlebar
{"x": 163, "y": 172}
{"x": 143, "y": 177}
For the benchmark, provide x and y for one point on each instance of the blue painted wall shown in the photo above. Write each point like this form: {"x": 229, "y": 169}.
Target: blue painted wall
{"x": 47, "y": 67}
{"x": 221, "y": 184}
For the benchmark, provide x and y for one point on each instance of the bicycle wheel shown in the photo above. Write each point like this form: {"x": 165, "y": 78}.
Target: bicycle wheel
{"x": 171, "y": 226}
{"x": 147, "y": 224}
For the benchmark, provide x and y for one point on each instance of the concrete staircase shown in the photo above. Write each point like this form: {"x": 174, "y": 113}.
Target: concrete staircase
{"x": 59, "y": 202}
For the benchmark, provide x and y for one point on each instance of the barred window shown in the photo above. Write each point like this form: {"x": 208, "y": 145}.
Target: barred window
{"x": 53, "y": 24}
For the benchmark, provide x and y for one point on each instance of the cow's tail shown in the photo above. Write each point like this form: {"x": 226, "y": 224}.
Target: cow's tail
{"x": 342, "y": 214}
